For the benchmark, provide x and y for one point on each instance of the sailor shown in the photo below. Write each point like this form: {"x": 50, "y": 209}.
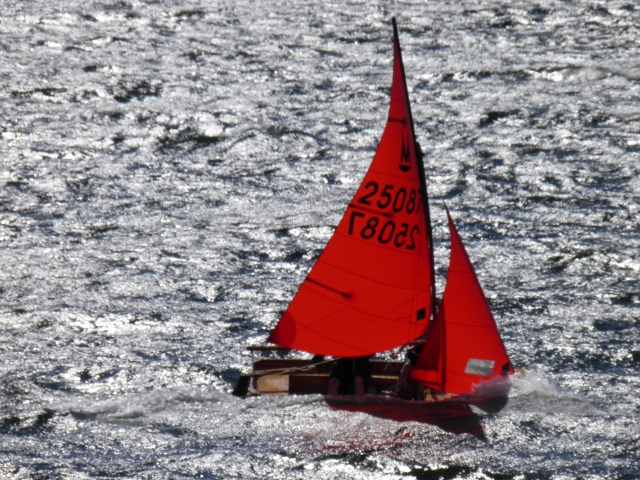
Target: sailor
{"x": 405, "y": 387}
{"x": 349, "y": 376}
{"x": 314, "y": 362}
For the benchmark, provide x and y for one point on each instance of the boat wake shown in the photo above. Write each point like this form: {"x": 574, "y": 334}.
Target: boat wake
{"x": 135, "y": 406}
{"x": 537, "y": 393}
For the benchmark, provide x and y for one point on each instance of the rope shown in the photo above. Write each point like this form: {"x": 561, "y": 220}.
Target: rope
{"x": 274, "y": 372}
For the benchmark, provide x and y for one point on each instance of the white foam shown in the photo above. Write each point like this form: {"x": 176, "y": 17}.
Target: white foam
{"x": 137, "y": 405}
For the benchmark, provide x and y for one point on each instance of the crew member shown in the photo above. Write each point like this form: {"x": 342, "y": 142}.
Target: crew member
{"x": 349, "y": 376}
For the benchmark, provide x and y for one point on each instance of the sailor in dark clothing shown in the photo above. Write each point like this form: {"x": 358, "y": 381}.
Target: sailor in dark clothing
{"x": 349, "y": 376}
{"x": 405, "y": 387}
{"x": 314, "y": 362}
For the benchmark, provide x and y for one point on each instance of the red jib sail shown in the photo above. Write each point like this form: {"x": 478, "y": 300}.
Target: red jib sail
{"x": 371, "y": 288}
{"x": 464, "y": 346}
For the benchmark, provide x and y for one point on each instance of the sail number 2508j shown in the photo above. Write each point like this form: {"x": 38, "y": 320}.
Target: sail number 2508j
{"x": 377, "y": 202}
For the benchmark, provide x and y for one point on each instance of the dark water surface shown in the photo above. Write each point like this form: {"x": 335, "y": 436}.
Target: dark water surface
{"x": 170, "y": 170}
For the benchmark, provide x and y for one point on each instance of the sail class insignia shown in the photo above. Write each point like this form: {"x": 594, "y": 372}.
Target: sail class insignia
{"x": 405, "y": 159}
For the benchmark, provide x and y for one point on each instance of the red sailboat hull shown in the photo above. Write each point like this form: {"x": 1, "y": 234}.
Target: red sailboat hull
{"x": 453, "y": 415}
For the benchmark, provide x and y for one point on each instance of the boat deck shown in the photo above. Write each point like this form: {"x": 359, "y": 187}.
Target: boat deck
{"x": 276, "y": 376}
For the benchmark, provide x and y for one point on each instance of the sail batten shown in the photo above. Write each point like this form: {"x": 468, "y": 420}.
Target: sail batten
{"x": 346, "y": 295}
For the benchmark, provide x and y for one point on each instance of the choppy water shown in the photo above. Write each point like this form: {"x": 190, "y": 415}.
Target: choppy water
{"x": 171, "y": 169}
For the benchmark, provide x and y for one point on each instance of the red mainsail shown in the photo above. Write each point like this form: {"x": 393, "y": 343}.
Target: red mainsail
{"x": 464, "y": 346}
{"x": 371, "y": 288}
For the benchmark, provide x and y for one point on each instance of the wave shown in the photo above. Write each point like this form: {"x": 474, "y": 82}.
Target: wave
{"x": 133, "y": 406}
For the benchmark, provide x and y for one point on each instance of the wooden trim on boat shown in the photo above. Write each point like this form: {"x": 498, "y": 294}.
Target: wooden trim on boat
{"x": 285, "y": 376}
{"x": 267, "y": 348}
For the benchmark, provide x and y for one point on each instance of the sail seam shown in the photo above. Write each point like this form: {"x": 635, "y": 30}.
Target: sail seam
{"x": 403, "y": 121}
{"x": 373, "y": 211}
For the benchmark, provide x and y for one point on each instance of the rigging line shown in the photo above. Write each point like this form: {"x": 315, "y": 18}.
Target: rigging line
{"x": 433, "y": 180}
{"x": 429, "y": 227}
{"x": 396, "y": 353}
{"x": 282, "y": 371}
{"x": 429, "y": 182}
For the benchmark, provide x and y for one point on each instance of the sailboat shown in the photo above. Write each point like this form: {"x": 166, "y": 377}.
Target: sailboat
{"x": 373, "y": 290}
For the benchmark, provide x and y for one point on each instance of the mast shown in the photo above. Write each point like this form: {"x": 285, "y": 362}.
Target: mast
{"x": 422, "y": 178}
